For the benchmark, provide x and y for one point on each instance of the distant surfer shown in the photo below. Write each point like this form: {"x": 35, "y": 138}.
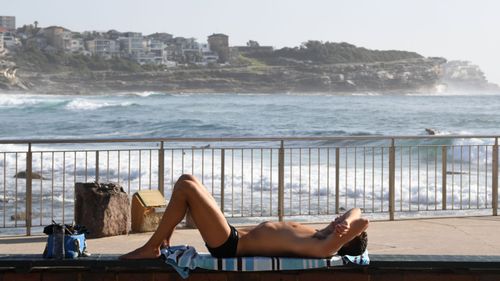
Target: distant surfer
{"x": 431, "y": 131}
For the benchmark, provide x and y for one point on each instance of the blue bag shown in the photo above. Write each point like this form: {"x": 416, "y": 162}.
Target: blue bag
{"x": 74, "y": 246}
{"x": 63, "y": 242}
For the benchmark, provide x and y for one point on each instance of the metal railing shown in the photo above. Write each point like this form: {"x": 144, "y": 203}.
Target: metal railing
{"x": 257, "y": 177}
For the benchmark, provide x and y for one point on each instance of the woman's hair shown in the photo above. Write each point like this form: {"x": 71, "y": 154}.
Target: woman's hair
{"x": 356, "y": 246}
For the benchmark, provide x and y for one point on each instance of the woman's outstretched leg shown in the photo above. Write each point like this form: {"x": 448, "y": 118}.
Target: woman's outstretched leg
{"x": 189, "y": 194}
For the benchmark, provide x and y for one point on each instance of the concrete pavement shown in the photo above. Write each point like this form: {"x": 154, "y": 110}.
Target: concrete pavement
{"x": 441, "y": 236}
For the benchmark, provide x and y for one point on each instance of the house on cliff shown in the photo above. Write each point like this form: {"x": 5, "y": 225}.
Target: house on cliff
{"x": 219, "y": 43}
{"x": 132, "y": 43}
{"x": 8, "y": 22}
{"x": 103, "y": 47}
{"x": 58, "y": 37}
{"x": 2, "y": 50}
{"x": 9, "y": 40}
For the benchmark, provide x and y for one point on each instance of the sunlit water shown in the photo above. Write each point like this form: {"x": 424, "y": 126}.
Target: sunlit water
{"x": 152, "y": 114}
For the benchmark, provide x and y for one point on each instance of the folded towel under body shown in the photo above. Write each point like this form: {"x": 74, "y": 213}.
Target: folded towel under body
{"x": 185, "y": 258}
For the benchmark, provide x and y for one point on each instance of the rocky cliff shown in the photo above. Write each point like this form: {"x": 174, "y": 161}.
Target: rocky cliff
{"x": 314, "y": 66}
{"x": 463, "y": 75}
{"x": 297, "y": 76}
{"x": 412, "y": 74}
{"x": 9, "y": 79}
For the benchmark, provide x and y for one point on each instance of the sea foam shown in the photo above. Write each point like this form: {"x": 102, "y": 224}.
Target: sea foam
{"x": 18, "y": 101}
{"x": 143, "y": 94}
{"x": 86, "y": 104}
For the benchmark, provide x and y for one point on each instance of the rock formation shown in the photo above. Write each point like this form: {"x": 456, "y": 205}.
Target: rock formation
{"x": 35, "y": 176}
{"x": 103, "y": 208}
{"x": 463, "y": 75}
{"x": 9, "y": 79}
{"x": 297, "y": 76}
{"x": 413, "y": 74}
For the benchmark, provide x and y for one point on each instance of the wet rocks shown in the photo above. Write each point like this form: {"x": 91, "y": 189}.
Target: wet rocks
{"x": 24, "y": 174}
{"x": 21, "y": 216}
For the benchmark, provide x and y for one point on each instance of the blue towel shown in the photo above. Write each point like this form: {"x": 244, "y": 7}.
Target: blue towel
{"x": 362, "y": 259}
{"x": 185, "y": 258}
{"x": 182, "y": 258}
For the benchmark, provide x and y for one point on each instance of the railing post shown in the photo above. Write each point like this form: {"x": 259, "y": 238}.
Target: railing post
{"x": 494, "y": 181}
{"x": 97, "y": 165}
{"x": 281, "y": 181}
{"x": 161, "y": 169}
{"x": 337, "y": 180}
{"x": 392, "y": 180}
{"x": 444, "y": 165}
{"x": 29, "y": 190}
{"x": 222, "y": 177}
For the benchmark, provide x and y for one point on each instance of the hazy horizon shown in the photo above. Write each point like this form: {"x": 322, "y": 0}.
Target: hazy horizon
{"x": 454, "y": 29}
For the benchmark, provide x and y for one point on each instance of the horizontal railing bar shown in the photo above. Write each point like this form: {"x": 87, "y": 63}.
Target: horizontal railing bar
{"x": 236, "y": 148}
{"x": 237, "y": 139}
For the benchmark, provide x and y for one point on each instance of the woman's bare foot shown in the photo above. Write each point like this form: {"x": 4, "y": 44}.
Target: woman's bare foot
{"x": 141, "y": 253}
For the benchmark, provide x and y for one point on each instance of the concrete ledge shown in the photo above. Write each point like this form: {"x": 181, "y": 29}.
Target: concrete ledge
{"x": 382, "y": 267}
{"x": 435, "y": 262}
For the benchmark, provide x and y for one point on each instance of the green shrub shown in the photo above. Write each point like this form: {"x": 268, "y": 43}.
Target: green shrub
{"x": 331, "y": 53}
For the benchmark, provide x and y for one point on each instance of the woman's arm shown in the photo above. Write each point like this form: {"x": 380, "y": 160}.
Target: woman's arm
{"x": 352, "y": 226}
{"x": 343, "y": 220}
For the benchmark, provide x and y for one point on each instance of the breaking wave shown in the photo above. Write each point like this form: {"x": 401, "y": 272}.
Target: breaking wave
{"x": 22, "y": 101}
{"x": 143, "y": 94}
{"x": 85, "y": 104}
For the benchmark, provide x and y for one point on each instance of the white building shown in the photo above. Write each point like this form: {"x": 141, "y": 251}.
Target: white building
{"x": 158, "y": 50}
{"x": 102, "y": 47}
{"x": 66, "y": 38}
{"x": 132, "y": 44}
{"x": 1, "y": 44}
{"x": 8, "y": 22}
{"x": 207, "y": 55}
{"x": 146, "y": 58}
{"x": 153, "y": 44}
{"x": 10, "y": 41}
{"x": 76, "y": 45}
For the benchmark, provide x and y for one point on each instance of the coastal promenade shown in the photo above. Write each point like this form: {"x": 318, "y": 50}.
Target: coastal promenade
{"x": 398, "y": 181}
{"x": 440, "y": 236}
{"x": 463, "y": 248}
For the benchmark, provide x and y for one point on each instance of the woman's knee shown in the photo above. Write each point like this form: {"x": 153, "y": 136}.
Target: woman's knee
{"x": 185, "y": 185}
{"x": 187, "y": 177}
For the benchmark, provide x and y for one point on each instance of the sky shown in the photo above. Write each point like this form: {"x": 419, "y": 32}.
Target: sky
{"x": 454, "y": 29}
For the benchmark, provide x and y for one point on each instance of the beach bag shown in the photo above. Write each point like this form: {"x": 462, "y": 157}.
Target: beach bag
{"x": 65, "y": 242}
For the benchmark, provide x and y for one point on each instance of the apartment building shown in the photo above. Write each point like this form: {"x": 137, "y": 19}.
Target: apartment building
{"x": 103, "y": 47}
{"x": 58, "y": 37}
{"x": 2, "y": 49}
{"x": 8, "y": 22}
{"x": 207, "y": 56}
{"x": 9, "y": 40}
{"x": 132, "y": 43}
{"x": 76, "y": 45}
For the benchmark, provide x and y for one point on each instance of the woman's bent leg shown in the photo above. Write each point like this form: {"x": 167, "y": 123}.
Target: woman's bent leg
{"x": 189, "y": 194}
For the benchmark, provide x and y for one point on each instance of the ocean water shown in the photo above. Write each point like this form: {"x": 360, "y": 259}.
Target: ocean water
{"x": 251, "y": 179}
{"x": 152, "y": 114}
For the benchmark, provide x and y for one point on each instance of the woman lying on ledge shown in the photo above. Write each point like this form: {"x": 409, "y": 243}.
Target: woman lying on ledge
{"x": 345, "y": 236}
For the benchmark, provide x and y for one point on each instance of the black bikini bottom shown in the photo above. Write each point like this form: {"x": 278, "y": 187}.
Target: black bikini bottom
{"x": 228, "y": 249}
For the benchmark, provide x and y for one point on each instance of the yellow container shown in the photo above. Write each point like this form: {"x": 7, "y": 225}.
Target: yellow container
{"x": 148, "y": 207}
